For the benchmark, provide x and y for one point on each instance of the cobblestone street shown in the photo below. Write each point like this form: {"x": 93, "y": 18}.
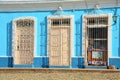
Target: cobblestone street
{"x": 58, "y": 74}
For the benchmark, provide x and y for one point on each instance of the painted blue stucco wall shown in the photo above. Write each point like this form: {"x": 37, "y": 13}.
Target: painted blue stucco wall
{"x": 6, "y": 62}
{"x": 41, "y": 59}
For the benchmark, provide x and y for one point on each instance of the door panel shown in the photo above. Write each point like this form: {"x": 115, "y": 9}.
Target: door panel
{"x": 54, "y": 46}
{"x": 65, "y": 46}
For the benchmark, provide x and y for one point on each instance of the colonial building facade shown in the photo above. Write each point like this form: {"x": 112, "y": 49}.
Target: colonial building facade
{"x": 59, "y": 34}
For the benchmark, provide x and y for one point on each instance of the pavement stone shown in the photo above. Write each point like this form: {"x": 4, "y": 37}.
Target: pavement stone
{"x": 58, "y": 74}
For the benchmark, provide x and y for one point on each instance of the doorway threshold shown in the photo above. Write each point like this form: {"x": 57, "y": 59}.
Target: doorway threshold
{"x": 96, "y": 67}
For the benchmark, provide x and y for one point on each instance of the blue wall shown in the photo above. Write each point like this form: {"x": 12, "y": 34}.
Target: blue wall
{"x": 41, "y": 16}
{"x": 6, "y": 62}
{"x": 41, "y": 45}
{"x": 41, "y": 62}
{"x": 78, "y": 62}
{"x": 115, "y": 62}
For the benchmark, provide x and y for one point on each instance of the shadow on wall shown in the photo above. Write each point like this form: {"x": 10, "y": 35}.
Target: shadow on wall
{"x": 119, "y": 37}
{"x": 45, "y": 63}
{"x": 9, "y": 39}
{"x": 9, "y": 44}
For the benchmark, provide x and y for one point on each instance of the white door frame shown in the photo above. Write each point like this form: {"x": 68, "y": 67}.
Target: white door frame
{"x": 71, "y": 28}
{"x": 84, "y": 49}
{"x": 14, "y": 35}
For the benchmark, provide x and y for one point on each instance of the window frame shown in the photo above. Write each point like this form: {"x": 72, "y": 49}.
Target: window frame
{"x": 84, "y": 21}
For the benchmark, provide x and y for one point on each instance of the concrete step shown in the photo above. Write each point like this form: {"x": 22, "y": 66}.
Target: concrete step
{"x": 96, "y": 67}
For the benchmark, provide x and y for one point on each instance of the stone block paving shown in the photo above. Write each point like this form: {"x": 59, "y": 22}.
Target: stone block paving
{"x": 58, "y": 74}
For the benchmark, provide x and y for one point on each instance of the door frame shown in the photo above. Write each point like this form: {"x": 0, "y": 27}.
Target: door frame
{"x": 84, "y": 33}
{"x": 14, "y": 36}
{"x": 71, "y": 30}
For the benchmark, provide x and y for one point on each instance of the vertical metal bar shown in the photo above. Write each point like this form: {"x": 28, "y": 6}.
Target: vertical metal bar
{"x": 103, "y": 38}
{"x": 60, "y": 56}
{"x": 94, "y": 33}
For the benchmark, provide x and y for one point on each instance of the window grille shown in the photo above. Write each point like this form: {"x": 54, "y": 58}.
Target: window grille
{"x": 97, "y": 21}
{"x": 96, "y": 39}
{"x": 97, "y": 32}
{"x": 60, "y": 22}
{"x": 24, "y": 41}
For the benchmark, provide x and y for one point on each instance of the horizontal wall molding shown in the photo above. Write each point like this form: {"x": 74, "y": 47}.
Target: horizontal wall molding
{"x": 71, "y": 57}
{"x": 40, "y": 56}
{"x": 114, "y": 57}
{"x": 77, "y": 56}
{"x": 6, "y": 56}
{"x": 48, "y": 56}
{"x": 39, "y": 5}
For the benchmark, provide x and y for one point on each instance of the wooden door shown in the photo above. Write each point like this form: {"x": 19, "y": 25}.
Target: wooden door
{"x": 59, "y": 42}
{"x": 55, "y": 47}
{"x": 59, "y": 46}
{"x": 65, "y": 51}
{"x": 24, "y": 42}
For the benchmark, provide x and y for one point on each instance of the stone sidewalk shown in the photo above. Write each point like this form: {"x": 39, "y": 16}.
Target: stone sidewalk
{"x": 59, "y": 74}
